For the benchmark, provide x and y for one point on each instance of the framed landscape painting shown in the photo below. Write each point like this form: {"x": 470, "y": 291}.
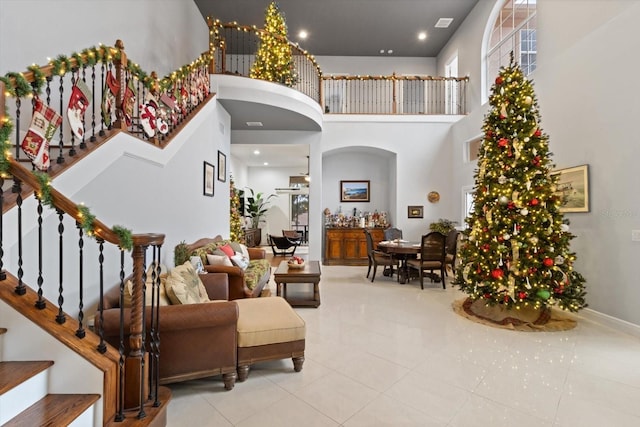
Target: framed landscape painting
{"x": 209, "y": 177}
{"x": 354, "y": 191}
{"x": 573, "y": 188}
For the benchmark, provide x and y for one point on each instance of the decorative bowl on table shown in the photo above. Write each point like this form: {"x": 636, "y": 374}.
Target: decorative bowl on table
{"x": 295, "y": 262}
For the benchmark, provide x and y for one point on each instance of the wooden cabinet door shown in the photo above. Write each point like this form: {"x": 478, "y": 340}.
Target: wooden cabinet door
{"x": 333, "y": 245}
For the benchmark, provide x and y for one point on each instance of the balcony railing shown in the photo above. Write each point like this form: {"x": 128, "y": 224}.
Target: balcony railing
{"x": 234, "y": 47}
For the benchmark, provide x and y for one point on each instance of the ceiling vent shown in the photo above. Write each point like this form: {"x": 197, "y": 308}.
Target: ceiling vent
{"x": 444, "y": 22}
{"x": 254, "y": 124}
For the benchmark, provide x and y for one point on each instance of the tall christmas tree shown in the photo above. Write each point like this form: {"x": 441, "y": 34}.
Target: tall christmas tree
{"x": 274, "y": 61}
{"x": 516, "y": 249}
{"x": 235, "y": 220}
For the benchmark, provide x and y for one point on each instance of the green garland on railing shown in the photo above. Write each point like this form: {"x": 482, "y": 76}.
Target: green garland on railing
{"x": 86, "y": 219}
{"x": 61, "y": 65}
{"x": 38, "y": 78}
{"x": 124, "y": 236}
{"x": 20, "y": 88}
{"x": 45, "y": 188}
{"x": 5, "y": 146}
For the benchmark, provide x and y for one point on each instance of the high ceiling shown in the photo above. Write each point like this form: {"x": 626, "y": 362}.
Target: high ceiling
{"x": 335, "y": 28}
{"x": 353, "y": 27}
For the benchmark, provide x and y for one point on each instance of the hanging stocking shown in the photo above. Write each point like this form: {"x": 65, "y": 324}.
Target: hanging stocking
{"x": 128, "y": 101}
{"x": 148, "y": 116}
{"x": 78, "y": 103}
{"x": 183, "y": 100}
{"x": 111, "y": 89}
{"x": 43, "y": 126}
{"x": 171, "y": 107}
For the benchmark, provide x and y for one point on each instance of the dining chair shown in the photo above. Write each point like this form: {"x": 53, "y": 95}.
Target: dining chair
{"x": 451, "y": 251}
{"x": 392, "y": 233}
{"x": 378, "y": 258}
{"x": 432, "y": 257}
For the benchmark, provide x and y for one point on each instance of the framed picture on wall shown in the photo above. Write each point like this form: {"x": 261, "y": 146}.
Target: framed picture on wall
{"x": 415, "y": 211}
{"x": 222, "y": 166}
{"x": 209, "y": 178}
{"x": 354, "y": 191}
{"x": 573, "y": 188}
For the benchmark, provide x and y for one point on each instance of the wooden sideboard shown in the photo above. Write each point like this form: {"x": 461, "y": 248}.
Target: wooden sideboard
{"x": 348, "y": 246}
{"x": 252, "y": 237}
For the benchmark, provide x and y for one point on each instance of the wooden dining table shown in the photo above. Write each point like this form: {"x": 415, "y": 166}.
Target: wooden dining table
{"x": 402, "y": 250}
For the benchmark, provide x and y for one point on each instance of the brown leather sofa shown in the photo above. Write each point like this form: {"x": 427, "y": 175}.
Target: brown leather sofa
{"x": 237, "y": 277}
{"x": 197, "y": 340}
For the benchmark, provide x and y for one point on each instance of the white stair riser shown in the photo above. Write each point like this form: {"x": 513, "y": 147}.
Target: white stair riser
{"x": 21, "y": 397}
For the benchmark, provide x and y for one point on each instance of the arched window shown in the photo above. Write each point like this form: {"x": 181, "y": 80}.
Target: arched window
{"x": 514, "y": 30}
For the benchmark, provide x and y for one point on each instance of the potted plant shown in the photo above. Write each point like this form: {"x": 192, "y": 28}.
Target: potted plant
{"x": 257, "y": 207}
{"x": 443, "y": 226}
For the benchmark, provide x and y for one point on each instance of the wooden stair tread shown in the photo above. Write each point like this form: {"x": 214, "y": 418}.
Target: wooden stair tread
{"x": 15, "y": 373}
{"x": 54, "y": 410}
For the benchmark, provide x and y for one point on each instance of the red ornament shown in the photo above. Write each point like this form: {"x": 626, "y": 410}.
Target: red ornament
{"x": 487, "y": 295}
{"x": 536, "y": 161}
{"x": 537, "y": 133}
{"x": 506, "y": 298}
{"x": 485, "y": 247}
{"x": 548, "y": 262}
{"x": 502, "y": 117}
{"x": 497, "y": 273}
{"x": 489, "y": 133}
{"x": 532, "y": 270}
{"x": 534, "y": 202}
{"x": 499, "y": 80}
{"x": 511, "y": 205}
{"x": 502, "y": 142}
{"x": 522, "y": 295}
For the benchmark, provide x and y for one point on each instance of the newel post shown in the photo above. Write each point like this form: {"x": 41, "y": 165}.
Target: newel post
{"x": 135, "y": 366}
{"x": 121, "y": 76}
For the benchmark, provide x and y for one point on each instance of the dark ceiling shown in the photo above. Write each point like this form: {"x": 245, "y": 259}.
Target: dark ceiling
{"x": 353, "y": 27}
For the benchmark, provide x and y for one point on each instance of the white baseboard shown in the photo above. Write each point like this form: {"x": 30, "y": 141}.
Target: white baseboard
{"x": 611, "y": 322}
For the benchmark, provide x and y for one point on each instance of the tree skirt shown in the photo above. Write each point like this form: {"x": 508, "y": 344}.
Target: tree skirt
{"x": 528, "y": 319}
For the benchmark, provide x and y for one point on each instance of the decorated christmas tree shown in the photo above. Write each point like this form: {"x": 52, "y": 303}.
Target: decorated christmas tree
{"x": 516, "y": 252}
{"x": 274, "y": 61}
{"x": 235, "y": 220}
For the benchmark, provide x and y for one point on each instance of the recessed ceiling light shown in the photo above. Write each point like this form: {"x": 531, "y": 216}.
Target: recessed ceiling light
{"x": 303, "y": 34}
{"x": 422, "y": 35}
{"x": 254, "y": 124}
{"x": 256, "y": 152}
{"x": 444, "y": 22}
{"x": 390, "y": 51}
{"x": 266, "y": 163}
{"x": 382, "y": 51}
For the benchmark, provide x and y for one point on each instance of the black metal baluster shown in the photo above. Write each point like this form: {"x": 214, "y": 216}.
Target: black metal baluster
{"x": 120, "y": 403}
{"x": 143, "y": 345}
{"x": 102, "y": 346}
{"x": 60, "y": 318}
{"x": 40, "y": 303}
{"x": 60, "y": 158}
{"x": 93, "y": 104}
{"x": 17, "y": 124}
{"x": 20, "y": 288}
{"x": 83, "y": 143}
{"x": 80, "y": 332}
{"x": 103, "y": 85}
{"x": 72, "y": 150}
{"x": 3, "y": 273}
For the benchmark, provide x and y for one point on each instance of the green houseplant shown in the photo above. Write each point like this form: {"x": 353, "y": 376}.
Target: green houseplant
{"x": 443, "y": 226}
{"x": 257, "y": 206}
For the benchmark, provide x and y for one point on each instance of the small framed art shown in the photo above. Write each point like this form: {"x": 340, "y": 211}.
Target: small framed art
{"x": 572, "y": 188}
{"x": 354, "y": 191}
{"x": 209, "y": 178}
{"x": 415, "y": 211}
{"x": 222, "y": 166}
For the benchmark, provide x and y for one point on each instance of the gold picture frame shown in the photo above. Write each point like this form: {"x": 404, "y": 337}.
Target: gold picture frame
{"x": 572, "y": 188}
{"x": 415, "y": 211}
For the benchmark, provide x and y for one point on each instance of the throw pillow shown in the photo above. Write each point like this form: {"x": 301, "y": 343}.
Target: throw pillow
{"x": 240, "y": 261}
{"x": 245, "y": 251}
{"x": 164, "y": 300}
{"x": 184, "y": 286}
{"x": 236, "y": 247}
{"x": 220, "y": 260}
{"x": 227, "y": 249}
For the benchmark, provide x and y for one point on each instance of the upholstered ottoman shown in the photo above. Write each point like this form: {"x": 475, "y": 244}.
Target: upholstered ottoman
{"x": 268, "y": 329}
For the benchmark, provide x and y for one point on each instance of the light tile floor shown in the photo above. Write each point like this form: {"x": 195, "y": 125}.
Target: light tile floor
{"x": 385, "y": 354}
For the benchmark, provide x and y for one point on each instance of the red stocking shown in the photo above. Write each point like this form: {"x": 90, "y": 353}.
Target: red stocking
{"x": 43, "y": 126}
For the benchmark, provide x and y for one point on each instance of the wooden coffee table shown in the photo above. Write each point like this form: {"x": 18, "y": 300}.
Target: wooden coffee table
{"x": 310, "y": 273}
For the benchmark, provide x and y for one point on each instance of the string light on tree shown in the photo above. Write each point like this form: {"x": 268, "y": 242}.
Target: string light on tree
{"x": 274, "y": 59}
{"x": 516, "y": 249}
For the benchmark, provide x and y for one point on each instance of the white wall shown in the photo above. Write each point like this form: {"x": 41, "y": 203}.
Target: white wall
{"x": 586, "y": 49}
{"x": 152, "y": 31}
{"x": 376, "y": 66}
